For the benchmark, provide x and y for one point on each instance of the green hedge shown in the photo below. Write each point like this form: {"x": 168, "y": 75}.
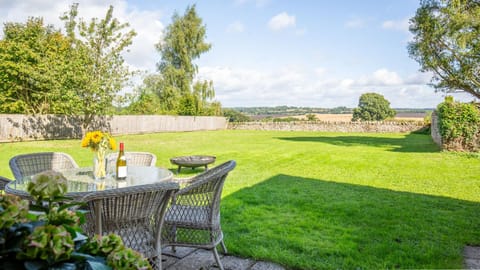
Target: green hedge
{"x": 459, "y": 125}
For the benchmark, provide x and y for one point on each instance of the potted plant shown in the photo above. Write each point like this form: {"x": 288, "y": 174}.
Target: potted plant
{"x": 47, "y": 234}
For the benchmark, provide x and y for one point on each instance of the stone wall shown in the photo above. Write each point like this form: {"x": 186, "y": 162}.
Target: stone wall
{"x": 435, "y": 129}
{"x": 18, "y": 127}
{"x": 380, "y": 127}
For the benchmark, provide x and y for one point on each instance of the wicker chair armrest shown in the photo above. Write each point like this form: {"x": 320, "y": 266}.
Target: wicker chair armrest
{"x": 3, "y": 181}
{"x": 184, "y": 182}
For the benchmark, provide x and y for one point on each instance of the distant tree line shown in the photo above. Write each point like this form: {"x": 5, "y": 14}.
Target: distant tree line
{"x": 290, "y": 110}
{"x": 285, "y": 111}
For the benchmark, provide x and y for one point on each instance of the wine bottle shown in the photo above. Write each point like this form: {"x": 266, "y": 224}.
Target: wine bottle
{"x": 121, "y": 163}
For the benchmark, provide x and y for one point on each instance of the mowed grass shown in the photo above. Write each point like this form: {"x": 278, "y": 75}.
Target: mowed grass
{"x": 310, "y": 200}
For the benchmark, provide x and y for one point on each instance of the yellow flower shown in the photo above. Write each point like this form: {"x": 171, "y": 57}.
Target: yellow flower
{"x": 85, "y": 141}
{"x": 96, "y": 137}
{"x": 113, "y": 144}
{"x": 98, "y": 140}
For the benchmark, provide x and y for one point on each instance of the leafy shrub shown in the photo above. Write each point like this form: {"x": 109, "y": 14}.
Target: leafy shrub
{"x": 12, "y": 210}
{"x": 459, "y": 125}
{"x": 47, "y": 185}
{"x": 102, "y": 246}
{"x": 235, "y": 116}
{"x": 127, "y": 258}
{"x": 52, "y": 238}
{"x": 311, "y": 117}
{"x": 48, "y": 243}
{"x": 427, "y": 119}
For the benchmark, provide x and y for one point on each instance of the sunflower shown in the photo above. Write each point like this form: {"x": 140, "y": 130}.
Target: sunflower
{"x": 97, "y": 140}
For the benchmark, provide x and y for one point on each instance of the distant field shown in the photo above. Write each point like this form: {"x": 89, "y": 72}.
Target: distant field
{"x": 348, "y": 117}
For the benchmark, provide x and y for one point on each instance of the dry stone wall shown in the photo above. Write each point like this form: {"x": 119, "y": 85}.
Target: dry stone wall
{"x": 380, "y": 127}
{"x": 435, "y": 129}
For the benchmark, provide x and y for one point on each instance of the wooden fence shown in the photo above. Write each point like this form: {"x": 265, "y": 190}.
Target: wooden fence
{"x": 19, "y": 127}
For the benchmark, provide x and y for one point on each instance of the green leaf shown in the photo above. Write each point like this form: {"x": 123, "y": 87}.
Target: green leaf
{"x": 35, "y": 265}
{"x": 70, "y": 205}
{"x": 79, "y": 236}
{"x": 96, "y": 265}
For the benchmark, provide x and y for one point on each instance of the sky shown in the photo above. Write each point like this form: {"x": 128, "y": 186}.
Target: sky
{"x": 303, "y": 53}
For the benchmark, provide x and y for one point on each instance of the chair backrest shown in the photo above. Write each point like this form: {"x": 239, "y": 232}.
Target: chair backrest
{"x": 30, "y": 164}
{"x": 205, "y": 190}
{"x": 133, "y": 159}
{"x": 133, "y": 213}
{"x": 3, "y": 182}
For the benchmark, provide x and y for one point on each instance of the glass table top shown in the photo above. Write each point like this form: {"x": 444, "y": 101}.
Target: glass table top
{"x": 80, "y": 181}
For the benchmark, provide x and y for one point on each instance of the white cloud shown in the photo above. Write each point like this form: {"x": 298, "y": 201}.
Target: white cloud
{"x": 320, "y": 71}
{"x": 147, "y": 24}
{"x": 235, "y": 27}
{"x": 381, "y": 77}
{"x": 297, "y": 87}
{"x": 149, "y": 28}
{"x": 399, "y": 25}
{"x": 419, "y": 78}
{"x": 281, "y": 21}
{"x": 355, "y": 23}
{"x": 345, "y": 83}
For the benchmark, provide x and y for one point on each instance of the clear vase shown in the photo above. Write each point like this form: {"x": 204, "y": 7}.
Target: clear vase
{"x": 99, "y": 165}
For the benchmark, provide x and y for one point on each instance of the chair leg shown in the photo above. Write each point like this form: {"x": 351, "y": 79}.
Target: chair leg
{"x": 159, "y": 262}
{"x": 174, "y": 229}
{"x": 223, "y": 247}
{"x": 217, "y": 258}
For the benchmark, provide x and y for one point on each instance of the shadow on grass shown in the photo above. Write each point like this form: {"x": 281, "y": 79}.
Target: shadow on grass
{"x": 185, "y": 171}
{"x": 316, "y": 224}
{"x": 410, "y": 143}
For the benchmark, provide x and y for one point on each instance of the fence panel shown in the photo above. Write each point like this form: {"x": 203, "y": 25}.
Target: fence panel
{"x": 19, "y": 127}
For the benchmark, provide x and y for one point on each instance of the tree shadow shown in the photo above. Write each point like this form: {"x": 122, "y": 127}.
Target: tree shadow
{"x": 317, "y": 224}
{"x": 54, "y": 126}
{"x": 411, "y": 142}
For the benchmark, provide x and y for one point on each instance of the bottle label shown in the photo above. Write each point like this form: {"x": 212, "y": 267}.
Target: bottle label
{"x": 122, "y": 172}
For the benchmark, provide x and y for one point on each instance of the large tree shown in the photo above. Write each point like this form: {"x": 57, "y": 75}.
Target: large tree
{"x": 372, "y": 107}
{"x": 175, "y": 84}
{"x": 43, "y": 71}
{"x": 446, "y": 42}
{"x": 33, "y": 69}
{"x": 144, "y": 101}
{"x": 98, "y": 60}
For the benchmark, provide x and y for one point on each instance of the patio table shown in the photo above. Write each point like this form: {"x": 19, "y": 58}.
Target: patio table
{"x": 80, "y": 181}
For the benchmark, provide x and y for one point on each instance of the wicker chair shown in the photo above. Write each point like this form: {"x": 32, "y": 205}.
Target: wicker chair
{"x": 193, "y": 218}
{"x": 135, "y": 214}
{"x": 133, "y": 159}
{"x": 30, "y": 164}
{"x": 3, "y": 182}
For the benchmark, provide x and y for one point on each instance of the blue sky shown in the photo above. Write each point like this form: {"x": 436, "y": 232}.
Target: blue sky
{"x": 315, "y": 53}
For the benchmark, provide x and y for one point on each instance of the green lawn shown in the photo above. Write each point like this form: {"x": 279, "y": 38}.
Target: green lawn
{"x": 310, "y": 200}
